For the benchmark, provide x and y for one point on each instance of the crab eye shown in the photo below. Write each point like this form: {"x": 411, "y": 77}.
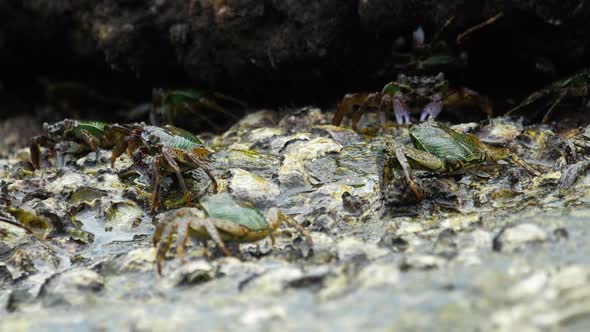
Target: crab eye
{"x": 153, "y": 139}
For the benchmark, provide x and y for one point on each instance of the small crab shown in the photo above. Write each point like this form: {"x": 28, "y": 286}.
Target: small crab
{"x": 166, "y": 150}
{"x": 574, "y": 88}
{"x": 408, "y": 95}
{"x": 74, "y": 137}
{"x": 439, "y": 148}
{"x": 222, "y": 219}
{"x": 192, "y": 109}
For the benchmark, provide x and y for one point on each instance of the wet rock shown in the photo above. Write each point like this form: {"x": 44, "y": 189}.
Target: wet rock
{"x": 255, "y": 317}
{"x": 461, "y": 222}
{"x": 422, "y": 262}
{"x": 22, "y": 264}
{"x": 321, "y": 170}
{"x": 408, "y": 227}
{"x": 378, "y": 275}
{"x": 343, "y": 136}
{"x": 192, "y": 273}
{"x": 512, "y": 237}
{"x": 545, "y": 300}
{"x": 571, "y": 173}
{"x": 67, "y": 182}
{"x": 328, "y": 196}
{"x": 446, "y": 242}
{"x": 500, "y": 131}
{"x": 256, "y": 120}
{"x": 561, "y": 233}
{"x": 5, "y": 277}
{"x": 262, "y": 134}
{"x": 302, "y": 120}
{"x": 252, "y": 188}
{"x": 138, "y": 260}
{"x": 233, "y": 267}
{"x": 530, "y": 286}
{"x": 238, "y": 156}
{"x": 394, "y": 242}
{"x": 292, "y": 172}
{"x": 73, "y": 287}
{"x": 351, "y": 249}
{"x": 353, "y": 203}
{"x": 312, "y": 279}
{"x": 274, "y": 281}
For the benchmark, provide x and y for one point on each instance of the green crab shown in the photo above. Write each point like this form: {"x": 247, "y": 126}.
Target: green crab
{"x": 164, "y": 150}
{"x": 193, "y": 109}
{"x": 439, "y": 148}
{"x": 221, "y": 219}
{"x": 573, "y": 88}
{"x": 407, "y": 95}
{"x": 74, "y": 137}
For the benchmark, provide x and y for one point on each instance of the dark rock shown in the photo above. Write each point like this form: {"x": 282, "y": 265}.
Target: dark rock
{"x": 394, "y": 242}
{"x": 515, "y": 236}
{"x": 318, "y": 49}
{"x": 561, "y": 233}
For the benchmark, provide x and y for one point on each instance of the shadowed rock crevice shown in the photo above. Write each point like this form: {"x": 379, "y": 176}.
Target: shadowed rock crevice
{"x": 276, "y": 52}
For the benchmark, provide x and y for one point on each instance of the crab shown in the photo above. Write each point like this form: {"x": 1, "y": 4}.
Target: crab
{"x": 438, "y": 148}
{"x": 221, "y": 219}
{"x": 72, "y": 137}
{"x": 572, "y": 88}
{"x": 407, "y": 95}
{"x": 192, "y": 108}
{"x": 165, "y": 150}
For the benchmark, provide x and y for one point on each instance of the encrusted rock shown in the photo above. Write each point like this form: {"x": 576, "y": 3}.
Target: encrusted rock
{"x": 512, "y": 237}
{"x": 252, "y": 188}
{"x": 292, "y": 171}
{"x": 73, "y": 287}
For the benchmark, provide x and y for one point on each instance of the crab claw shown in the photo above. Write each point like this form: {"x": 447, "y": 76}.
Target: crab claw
{"x": 432, "y": 109}
{"x": 402, "y": 115}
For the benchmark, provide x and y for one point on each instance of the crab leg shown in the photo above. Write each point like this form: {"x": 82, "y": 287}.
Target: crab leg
{"x": 211, "y": 229}
{"x": 87, "y": 138}
{"x": 217, "y": 108}
{"x": 166, "y": 235}
{"x": 202, "y": 117}
{"x": 517, "y": 160}
{"x": 170, "y": 160}
{"x": 35, "y": 153}
{"x": 289, "y": 221}
{"x": 550, "y": 110}
{"x": 386, "y": 103}
{"x": 204, "y": 167}
{"x": 345, "y": 107}
{"x": 157, "y": 179}
{"x": 34, "y": 150}
{"x": 370, "y": 101}
{"x": 181, "y": 238}
{"x": 403, "y": 161}
{"x": 119, "y": 149}
{"x": 236, "y": 101}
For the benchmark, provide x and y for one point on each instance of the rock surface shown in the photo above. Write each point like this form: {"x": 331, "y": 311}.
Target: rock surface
{"x": 494, "y": 251}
